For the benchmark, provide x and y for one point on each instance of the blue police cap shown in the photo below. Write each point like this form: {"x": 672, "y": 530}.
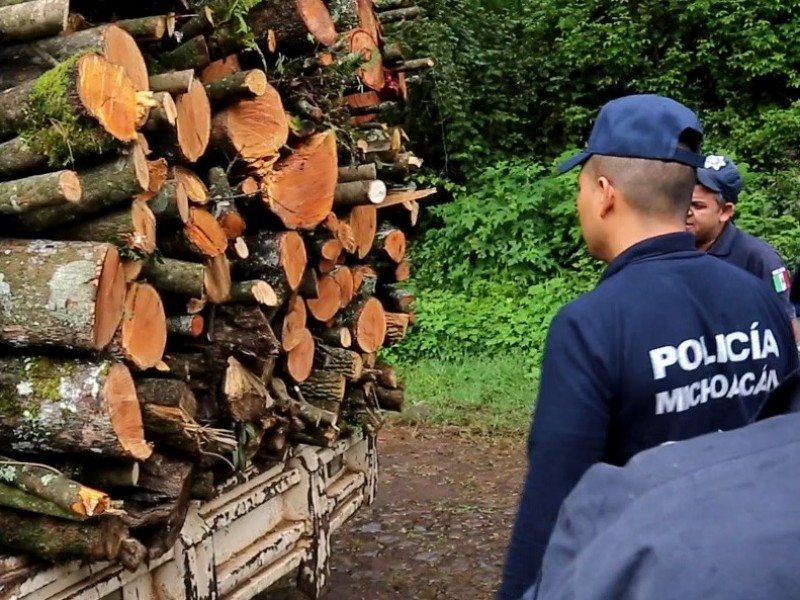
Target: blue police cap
{"x": 643, "y": 126}
{"x": 719, "y": 174}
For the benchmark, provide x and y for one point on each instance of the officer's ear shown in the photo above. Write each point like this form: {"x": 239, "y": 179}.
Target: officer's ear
{"x": 727, "y": 212}
{"x": 608, "y": 195}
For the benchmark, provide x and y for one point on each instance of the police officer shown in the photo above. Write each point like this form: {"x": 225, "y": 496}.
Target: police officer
{"x": 715, "y": 517}
{"x": 710, "y": 218}
{"x": 671, "y": 344}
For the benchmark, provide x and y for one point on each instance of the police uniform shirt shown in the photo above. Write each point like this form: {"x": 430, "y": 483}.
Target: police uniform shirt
{"x": 713, "y": 518}
{"x": 756, "y": 256}
{"x": 671, "y": 344}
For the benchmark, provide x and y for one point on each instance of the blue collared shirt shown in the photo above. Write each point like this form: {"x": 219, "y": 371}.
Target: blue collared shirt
{"x": 753, "y": 254}
{"x": 671, "y": 344}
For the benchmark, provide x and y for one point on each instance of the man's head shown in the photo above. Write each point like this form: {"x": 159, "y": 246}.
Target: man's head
{"x": 638, "y": 171}
{"x": 714, "y": 199}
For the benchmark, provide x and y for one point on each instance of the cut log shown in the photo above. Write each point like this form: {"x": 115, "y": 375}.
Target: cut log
{"x": 162, "y": 116}
{"x": 403, "y": 271}
{"x": 221, "y": 68}
{"x": 309, "y": 413}
{"x": 327, "y": 304}
{"x": 390, "y": 399}
{"x": 104, "y": 186}
{"x": 292, "y": 326}
{"x": 338, "y": 360}
{"x": 303, "y": 202}
{"x": 395, "y": 198}
{"x": 149, "y": 29}
{"x": 396, "y": 299}
{"x": 371, "y": 70}
{"x": 176, "y": 277}
{"x": 158, "y": 170}
{"x": 365, "y": 281}
{"x": 243, "y": 85}
{"x": 132, "y": 228}
{"x": 355, "y": 193}
{"x": 74, "y": 499}
{"x": 290, "y": 22}
{"x": 325, "y": 246}
{"x": 390, "y": 241}
{"x": 172, "y": 82}
{"x": 111, "y": 474}
{"x": 253, "y": 129}
{"x": 404, "y": 165}
{"x": 365, "y": 172}
{"x": 225, "y": 210}
{"x": 33, "y": 19}
{"x": 396, "y": 327}
{"x": 324, "y": 389}
{"x": 300, "y": 360}
{"x": 276, "y": 257}
{"x": 201, "y": 238}
{"x": 18, "y": 160}
{"x": 245, "y": 395}
{"x": 70, "y": 406}
{"x": 254, "y": 291}
{"x": 192, "y": 54}
{"x": 59, "y": 294}
{"x": 84, "y": 106}
{"x": 335, "y": 336}
{"x": 218, "y": 279}
{"x": 113, "y": 43}
{"x": 416, "y": 64}
{"x": 57, "y": 541}
{"x": 164, "y": 477}
{"x": 196, "y": 189}
{"x": 309, "y": 285}
{"x": 243, "y": 331}
{"x": 202, "y": 23}
{"x": 142, "y": 338}
{"x": 363, "y": 221}
{"x": 344, "y": 277}
{"x": 366, "y": 320}
{"x": 186, "y": 325}
{"x": 400, "y": 14}
{"x": 39, "y": 191}
{"x": 188, "y": 140}
{"x": 347, "y": 238}
{"x": 170, "y": 206}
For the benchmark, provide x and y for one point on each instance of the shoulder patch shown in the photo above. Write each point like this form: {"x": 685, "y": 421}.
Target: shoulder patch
{"x": 781, "y": 279}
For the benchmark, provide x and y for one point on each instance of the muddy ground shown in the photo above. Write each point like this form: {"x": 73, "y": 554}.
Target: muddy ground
{"x": 439, "y": 526}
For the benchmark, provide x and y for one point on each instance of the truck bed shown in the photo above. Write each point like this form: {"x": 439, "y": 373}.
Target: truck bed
{"x": 260, "y": 528}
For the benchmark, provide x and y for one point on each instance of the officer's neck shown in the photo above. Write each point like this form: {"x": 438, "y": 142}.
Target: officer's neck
{"x": 638, "y": 230}
{"x": 706, "y": 245}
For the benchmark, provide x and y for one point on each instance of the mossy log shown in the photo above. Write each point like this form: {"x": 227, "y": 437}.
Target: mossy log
{"x": 364, "y": 172}
{"x": 174, "y": 276}
{"x": 84, "y": 106}
{"x": 241, "y": 85}
{"x": 338, "y": 360}
{"x": 148, "y": 29}
{"x": 70, "y": 406}
{"x": 57, "y": 541}
{"x": 39, "y": 191}
{"x": 187, "y": 325}
{"x": 59, "y": 294}
{"x": 104, "y": 186}
{"x": 172, "y": 82}
{"x": 18, "y": 160}
{"x": 12, "y": 497}
{"x": 33, "y": 19}
{"x": 131, "y": 227}
{"x": 77, "y": 500}
{"x": 192, "y": 54}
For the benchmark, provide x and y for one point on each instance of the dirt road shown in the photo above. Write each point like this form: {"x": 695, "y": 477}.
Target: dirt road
{"x": 439, "y": 527}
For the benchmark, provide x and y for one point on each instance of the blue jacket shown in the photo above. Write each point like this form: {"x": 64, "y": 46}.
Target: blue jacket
{"x": 756, "y": 256}
{"x": 716, "y": 517}
{"x": 671, "y": 344}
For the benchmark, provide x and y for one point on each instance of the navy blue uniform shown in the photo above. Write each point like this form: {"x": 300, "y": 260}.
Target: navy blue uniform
{"x": 756, "y": 256}
{"x": 716, "y": 517}
{"x": 652, "y": 354}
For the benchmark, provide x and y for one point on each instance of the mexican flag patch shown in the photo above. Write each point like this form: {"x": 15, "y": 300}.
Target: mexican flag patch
{"x": 781, "y": 279}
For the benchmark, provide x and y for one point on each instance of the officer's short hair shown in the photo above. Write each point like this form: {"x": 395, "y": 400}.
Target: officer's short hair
{"x": 652, "y": 187}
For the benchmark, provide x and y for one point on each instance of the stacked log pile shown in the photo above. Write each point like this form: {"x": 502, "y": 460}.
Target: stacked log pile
{"x": 202, "y": 250}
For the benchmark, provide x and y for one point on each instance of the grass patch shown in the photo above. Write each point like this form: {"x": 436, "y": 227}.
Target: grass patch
{"x": 492, "y": 394}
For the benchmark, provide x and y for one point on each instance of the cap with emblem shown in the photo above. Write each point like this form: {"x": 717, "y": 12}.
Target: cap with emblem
{"x": 719, "y": 174}
{"x": 643, "y": 126}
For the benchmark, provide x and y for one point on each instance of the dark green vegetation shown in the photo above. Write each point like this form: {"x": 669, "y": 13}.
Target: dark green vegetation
{"x": 516, "y": 86}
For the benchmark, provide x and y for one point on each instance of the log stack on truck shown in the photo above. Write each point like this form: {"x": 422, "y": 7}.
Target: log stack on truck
{"x": 202, "y": 250}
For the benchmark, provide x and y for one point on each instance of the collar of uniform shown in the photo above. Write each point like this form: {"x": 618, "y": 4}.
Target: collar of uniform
{"x": 723, "y": 245}
{"x": 651, "y": 248}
